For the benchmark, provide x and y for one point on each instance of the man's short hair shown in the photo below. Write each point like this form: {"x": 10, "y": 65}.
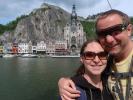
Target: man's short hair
{"x": 125, "y": 18}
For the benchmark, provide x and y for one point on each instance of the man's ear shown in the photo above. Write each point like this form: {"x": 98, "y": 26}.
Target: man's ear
{"x": 129, "y": 29}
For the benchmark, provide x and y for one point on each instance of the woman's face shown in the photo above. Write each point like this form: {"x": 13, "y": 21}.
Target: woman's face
{"x": 94, "y": 59}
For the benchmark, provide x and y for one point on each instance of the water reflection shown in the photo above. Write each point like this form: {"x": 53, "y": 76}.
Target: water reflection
{"x": 33, "y": 78}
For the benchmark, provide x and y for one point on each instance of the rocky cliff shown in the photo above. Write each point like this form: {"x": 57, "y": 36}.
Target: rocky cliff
{"x": 45, "y": 23}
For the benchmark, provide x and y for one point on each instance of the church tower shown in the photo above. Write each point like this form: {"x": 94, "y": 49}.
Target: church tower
{"x": 73, "y": 16}
{"x": 73, "y": 33}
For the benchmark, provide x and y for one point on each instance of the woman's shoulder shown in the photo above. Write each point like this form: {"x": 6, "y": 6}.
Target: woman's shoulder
{"x": 83, "y": 95}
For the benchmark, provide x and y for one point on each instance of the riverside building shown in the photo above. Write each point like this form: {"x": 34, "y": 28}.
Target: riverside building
{"x": 74, "y": 35}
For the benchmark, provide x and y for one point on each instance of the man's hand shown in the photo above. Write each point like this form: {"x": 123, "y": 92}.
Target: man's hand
{"x": 67, "y": 89}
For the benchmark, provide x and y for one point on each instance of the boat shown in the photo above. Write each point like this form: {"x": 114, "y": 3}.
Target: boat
{"x": 29, "y": 56}
{"x": 8, "y": 56}
{"x": 65, "y": 56}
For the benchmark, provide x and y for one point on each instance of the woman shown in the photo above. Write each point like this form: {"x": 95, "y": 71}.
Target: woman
{"x": 91, "y": 77}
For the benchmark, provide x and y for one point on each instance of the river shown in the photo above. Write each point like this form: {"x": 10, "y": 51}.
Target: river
{"x": 33, "y": 78}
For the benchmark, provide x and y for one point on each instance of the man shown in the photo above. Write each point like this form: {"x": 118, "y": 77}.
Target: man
{"x": 113, "y": 29}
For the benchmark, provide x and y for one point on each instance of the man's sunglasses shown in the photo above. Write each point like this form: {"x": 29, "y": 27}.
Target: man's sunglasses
{"x": 113, "y": 30}
{"x": 91, "y": 55}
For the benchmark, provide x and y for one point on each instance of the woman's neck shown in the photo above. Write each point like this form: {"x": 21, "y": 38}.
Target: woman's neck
{"x": 94, "y": 80}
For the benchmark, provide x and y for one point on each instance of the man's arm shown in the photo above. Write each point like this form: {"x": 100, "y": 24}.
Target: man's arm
{"x": 67, "y": 89}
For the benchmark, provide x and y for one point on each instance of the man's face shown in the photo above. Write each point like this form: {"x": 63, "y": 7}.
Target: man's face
{"x": 113, "y": 34}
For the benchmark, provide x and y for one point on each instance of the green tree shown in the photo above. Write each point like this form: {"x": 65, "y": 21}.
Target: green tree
{"x": 132, "y": 20}
{"x": 89, "y": 29}
{"x": 11, "y": 25}
{"x": 2, "y": 29}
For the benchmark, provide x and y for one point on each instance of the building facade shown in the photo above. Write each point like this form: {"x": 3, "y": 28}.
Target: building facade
{"x": 74, "y": 35}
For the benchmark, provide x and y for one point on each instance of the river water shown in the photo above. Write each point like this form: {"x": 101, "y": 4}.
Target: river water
{"x": 33, "y": 78}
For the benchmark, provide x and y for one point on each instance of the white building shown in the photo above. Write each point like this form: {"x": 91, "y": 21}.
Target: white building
{"x": 34, "y": 49}
{"x": 30, "y": 47}
{"x": 41, "y": 47}
{"x": 7, "y": 48}
{"x": 73, "y": 33}
{"x": 50, "y": 48}
{"x": 23, "y": 48}
{"x": 61, "y": 47}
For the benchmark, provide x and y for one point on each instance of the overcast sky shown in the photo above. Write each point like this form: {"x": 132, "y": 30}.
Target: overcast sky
{"x": 10, "y": 9}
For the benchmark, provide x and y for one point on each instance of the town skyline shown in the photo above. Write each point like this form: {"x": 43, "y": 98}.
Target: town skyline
{"x": 73, "y": 38}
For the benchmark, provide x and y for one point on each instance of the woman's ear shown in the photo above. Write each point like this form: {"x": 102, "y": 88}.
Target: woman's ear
{"x": 81, "y": 59}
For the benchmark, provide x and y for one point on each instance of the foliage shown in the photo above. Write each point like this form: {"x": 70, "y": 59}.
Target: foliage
{"x": 132, "y": 20}
{"x": 89, "y": 28}
{"x": 2, "y": 28}
{"x": 132, "y": 24}
{"x": 11, "y": 25}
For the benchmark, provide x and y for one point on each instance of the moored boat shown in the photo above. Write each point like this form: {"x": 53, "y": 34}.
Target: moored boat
{"x": 8, "y": 56}
{"x": 29, "y": 56}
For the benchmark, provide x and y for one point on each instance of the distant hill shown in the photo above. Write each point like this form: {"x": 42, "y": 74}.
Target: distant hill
{"x": 45, "y": 23}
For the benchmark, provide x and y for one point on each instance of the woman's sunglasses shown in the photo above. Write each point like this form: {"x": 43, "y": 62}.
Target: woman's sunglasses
{"x": 113, "y": 30}
{"x": 91, "y": 55}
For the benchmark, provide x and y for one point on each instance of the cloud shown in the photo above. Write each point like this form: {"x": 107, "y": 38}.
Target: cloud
{"x": 126, "y": 6}
{"x": 10, "y": 9}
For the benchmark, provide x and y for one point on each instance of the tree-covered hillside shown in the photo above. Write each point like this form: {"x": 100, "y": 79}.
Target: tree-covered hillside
{"x": 11, "y": 25}
{"x": 132, "y": 20}
{"x": 2, "y": 28}
{"x": 89, "y": 27}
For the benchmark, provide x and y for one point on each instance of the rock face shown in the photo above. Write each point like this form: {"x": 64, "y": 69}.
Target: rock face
{"x": 45, "y": 23}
